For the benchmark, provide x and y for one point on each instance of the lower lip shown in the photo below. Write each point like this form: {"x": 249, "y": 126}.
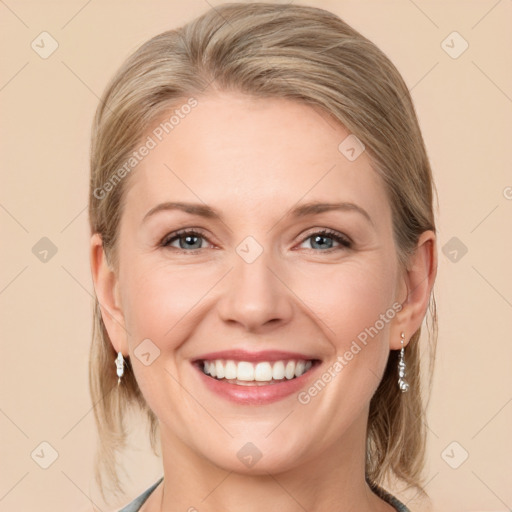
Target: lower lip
{"x": 256, "y": 395}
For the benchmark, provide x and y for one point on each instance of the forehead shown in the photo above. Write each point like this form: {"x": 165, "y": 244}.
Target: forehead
{"x": 238, "y": 153}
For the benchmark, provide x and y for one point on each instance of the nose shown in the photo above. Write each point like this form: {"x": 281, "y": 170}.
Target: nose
{"x": 256, "y": 296}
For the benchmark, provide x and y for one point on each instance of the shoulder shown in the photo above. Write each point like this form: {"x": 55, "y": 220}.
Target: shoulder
{"x": 134, "y": 506}
{"x": 389, "y": 498}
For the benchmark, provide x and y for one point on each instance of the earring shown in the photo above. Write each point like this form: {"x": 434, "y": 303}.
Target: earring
{"x": 120, "y": 367}
{"x": 402, "y": 383}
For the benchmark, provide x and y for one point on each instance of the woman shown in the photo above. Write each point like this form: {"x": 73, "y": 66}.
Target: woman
{"x": 263, "y": 253}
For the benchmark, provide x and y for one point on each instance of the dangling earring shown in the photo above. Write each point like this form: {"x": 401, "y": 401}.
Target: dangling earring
{"x": 120, "y": 367}
{"x": 402, "y": 383}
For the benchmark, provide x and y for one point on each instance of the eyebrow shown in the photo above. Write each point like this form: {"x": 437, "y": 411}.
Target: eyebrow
{"x": 313, "y": 208}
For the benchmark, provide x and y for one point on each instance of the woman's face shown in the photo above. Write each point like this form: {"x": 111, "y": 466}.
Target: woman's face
{"x": 257, "y": 283}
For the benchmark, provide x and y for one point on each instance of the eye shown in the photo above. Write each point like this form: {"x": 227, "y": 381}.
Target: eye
{"x": 188, "y": 240}
{"x": 321, "y": 239}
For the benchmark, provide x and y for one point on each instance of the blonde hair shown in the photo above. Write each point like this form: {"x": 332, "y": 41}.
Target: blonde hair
{"x": 268, "y": 50}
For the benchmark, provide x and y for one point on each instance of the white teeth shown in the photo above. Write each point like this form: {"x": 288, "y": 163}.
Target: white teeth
{"x": 299, "y": 368}
{"x": 263, "y": 372}
{"x": 219, "y": 369}
{"x": 230, "y": 370}
{"x": 260, "y": 372}
{"x": 289, "y": 371}
{"x": 278, "y": 370}
{"x": 245, "y": 371}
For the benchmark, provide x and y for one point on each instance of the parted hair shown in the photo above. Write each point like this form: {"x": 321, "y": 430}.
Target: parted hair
{"x": 267, "y": 50}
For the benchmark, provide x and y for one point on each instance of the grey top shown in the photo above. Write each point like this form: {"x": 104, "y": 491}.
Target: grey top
{"x": 135, "y": 505}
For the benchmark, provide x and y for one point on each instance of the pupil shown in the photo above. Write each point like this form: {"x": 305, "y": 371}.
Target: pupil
{"x": 320, "y": 238}
{"x": 189, "y": 240}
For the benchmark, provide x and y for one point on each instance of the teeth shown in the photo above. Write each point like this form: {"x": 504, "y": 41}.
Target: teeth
{"x": 219, "y": 370}
{"x": 260, "y": 372}
{"x": 289, "y": 371}
{"x": 245, "y": 371}
{"x": 231, "y": 370}
{"x": 263, "y": 372}
{"x": 278, "y": 370}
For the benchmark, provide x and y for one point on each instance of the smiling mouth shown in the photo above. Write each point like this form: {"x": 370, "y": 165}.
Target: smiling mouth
{"x": 263, "y": 373}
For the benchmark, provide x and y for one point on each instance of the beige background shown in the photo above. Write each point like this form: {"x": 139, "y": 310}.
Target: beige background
{"x": 464, "y": 106}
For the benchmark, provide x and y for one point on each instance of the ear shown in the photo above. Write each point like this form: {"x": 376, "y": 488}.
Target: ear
{"x": 107, "y": 292}
{"x": 417, "y": 284}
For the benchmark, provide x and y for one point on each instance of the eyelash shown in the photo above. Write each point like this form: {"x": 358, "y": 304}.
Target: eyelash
{"x": 344, "y": 241}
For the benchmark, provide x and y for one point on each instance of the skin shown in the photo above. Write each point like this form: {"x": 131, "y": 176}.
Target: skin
{"x": 253, "y": 160}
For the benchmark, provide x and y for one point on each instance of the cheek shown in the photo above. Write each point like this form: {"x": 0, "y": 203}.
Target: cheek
{"x": 158, "y": 304}
{"x": 349, "y": 298}
{"x": 159, "y": 300}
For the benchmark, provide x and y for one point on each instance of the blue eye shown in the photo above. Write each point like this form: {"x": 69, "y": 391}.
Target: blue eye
{"x": 319, "y": 238}
{"x": 191, "y": 240}
{"x": 187, "y": 240}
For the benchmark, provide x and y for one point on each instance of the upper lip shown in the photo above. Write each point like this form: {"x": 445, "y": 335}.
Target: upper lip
{"x": 244, "y": 355}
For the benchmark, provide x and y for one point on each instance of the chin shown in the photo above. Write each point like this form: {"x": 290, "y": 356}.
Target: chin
{"x": 257, "y": 457}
